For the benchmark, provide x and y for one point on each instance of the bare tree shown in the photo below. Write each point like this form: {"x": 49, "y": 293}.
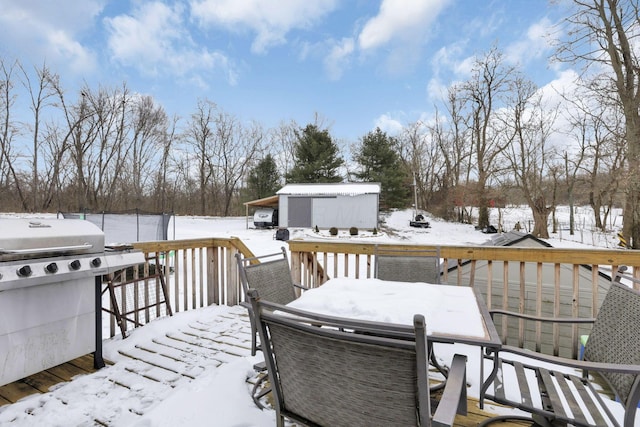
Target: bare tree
{"x": 63, "y": 149}
{"x": 598, "y": 129}
{"x": 9, "y": 173}
{"x": 419, "y": 146}
{"x": 102, "y": 148}
{"x": 457, "y": 154}
{"x": 282, "y": 146}
{"x": 236, "y": 147}
{"x": 416, "y": 154}
{"x": 603, "y": 33}
{"x": 573, "y": 160}
{"x": 483, "y": 91}
{"x": 162, "y": 190}
{"x": 528, "y": 124}
{"x": 41, "y": 95}
{"x": 56, "y": 175}
{"x": 148, "y": 138}
{"x": 199, "y": 136}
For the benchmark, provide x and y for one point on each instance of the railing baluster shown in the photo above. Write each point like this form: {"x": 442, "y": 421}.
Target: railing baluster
{"x": 575, "y": 310}
{"x": 555, "y": 269}
{"x": 538, "y": 302}
{"x": 505, "y": 296}
{"x": 521, "y": 299}
{"x": 556, "y": 309}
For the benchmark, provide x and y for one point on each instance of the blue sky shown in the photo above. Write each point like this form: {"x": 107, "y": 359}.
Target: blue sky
{"x": 358, "y": 64}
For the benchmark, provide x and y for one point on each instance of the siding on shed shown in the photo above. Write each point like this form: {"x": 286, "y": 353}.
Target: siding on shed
{"x": 334, "y": 205}
{"x": 346, "y": 211}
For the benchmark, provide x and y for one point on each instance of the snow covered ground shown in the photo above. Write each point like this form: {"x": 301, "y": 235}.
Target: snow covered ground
{"x": 219, "y": 395}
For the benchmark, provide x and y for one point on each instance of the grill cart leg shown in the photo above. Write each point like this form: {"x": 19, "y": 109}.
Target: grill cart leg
{"x": 98, "y": 361}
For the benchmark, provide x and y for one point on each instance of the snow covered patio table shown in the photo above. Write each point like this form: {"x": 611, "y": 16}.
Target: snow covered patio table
{"x": 453, "y": 314}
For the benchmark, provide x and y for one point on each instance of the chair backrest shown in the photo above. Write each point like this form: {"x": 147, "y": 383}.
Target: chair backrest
{"x": 615, "y": 336}
{"x": 270, "y": 274}
{"x": 324, "y": 373}
{"x": 411, "y": 265}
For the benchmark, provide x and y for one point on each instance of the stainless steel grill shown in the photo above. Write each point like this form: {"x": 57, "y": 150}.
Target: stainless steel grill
{"x": 50, "y": 293}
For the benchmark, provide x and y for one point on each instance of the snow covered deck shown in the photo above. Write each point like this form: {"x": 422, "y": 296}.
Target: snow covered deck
{"x": 191, "y": 369}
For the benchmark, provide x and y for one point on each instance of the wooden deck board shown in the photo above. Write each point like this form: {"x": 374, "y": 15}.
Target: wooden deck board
{"x": 150, "y": 374}
{"x": 41, "y": 382}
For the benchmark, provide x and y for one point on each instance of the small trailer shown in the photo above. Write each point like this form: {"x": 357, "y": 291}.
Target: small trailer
{"x": 265, "y": 218}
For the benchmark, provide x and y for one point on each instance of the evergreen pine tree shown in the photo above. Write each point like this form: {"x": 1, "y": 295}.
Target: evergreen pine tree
{"x": 264, "y": 179}
{"x": 317, "y": 157}
{"x": 379, "y": 162}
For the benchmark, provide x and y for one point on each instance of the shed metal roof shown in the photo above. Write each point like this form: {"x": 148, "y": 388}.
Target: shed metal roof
{"x": 341, "y": 188}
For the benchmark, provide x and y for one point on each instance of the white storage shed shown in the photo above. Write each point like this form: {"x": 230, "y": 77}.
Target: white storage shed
{"x": 341, "y": 205}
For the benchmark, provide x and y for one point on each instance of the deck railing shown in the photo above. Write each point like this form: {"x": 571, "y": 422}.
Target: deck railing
{"x": 542, "y": 281}
{"x": 553, "y": 282}
{"x": 197, "y": 273}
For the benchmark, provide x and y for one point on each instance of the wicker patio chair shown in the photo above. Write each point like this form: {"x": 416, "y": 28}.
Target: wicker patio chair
{"x": 612, "y": 351}
{"x": 270, "y": 274}
{"x": 325, "y": 374}
{"x": 410, "y": 265}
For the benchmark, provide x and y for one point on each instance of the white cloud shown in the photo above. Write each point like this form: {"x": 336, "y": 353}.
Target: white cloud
{"x": 270, "y": 20}
{"x": 400, "y": 20}
{"x": 534, "y": 45}
{"x": 50, "y": 31}
{"x": 338, "y": 58}
{"x": 436, "y": 89}
{"x": 464, "y": 68}
{"x": 392, "y": 126}
{"x": 401, "y": 28}
{"x": 154, "y": 40}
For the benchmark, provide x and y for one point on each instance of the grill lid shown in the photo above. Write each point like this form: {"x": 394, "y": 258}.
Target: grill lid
{"x": 30, "y": 238}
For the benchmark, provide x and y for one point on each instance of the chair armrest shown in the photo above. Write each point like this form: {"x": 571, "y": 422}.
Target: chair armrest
{"x": 299, "y": 286}
{"x": 577, "y": 364}
{"x": 541, "y": 318}
{"x": 454, "y": 396}
{"x": 245, "y": 304}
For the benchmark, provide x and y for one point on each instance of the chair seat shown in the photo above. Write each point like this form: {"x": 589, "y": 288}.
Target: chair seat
{"x": 567, "y": 395}
{"x": 550, "y": 393}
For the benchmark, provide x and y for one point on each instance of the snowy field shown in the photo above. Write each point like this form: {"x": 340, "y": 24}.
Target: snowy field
{"x": 220, "y": 396}
{"x": 395, "y": 228}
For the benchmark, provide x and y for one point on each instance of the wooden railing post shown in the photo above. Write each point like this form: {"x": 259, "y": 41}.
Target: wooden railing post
{"x": 233, "y": 279}
{"x": 213, "y": 292}
{"x": 296, "y": 267}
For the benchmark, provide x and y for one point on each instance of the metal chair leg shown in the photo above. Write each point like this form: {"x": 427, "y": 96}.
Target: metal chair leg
{"x": 256, "y": 393}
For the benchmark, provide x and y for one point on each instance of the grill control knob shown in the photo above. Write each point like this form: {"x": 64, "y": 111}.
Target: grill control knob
{"x": 96, "y": 262}
{"x": 74, "y": 265}
{"x": 24, "y": 271}
{"x": 51, "y": 268}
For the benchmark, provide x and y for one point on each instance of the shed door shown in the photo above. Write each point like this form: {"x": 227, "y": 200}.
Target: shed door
{"x": 299, "y": 212}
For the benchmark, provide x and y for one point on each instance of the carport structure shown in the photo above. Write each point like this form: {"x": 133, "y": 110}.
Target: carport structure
{"x": 266, "y": 202}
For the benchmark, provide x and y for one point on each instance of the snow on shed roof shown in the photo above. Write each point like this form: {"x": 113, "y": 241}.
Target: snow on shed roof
{"x": 341, "y": 188}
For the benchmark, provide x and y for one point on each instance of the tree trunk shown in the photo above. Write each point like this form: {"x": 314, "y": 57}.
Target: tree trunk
{"x": 540, "y": 218}
{"x": 483, "y": 204}
{"x": 631, "y": 218}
